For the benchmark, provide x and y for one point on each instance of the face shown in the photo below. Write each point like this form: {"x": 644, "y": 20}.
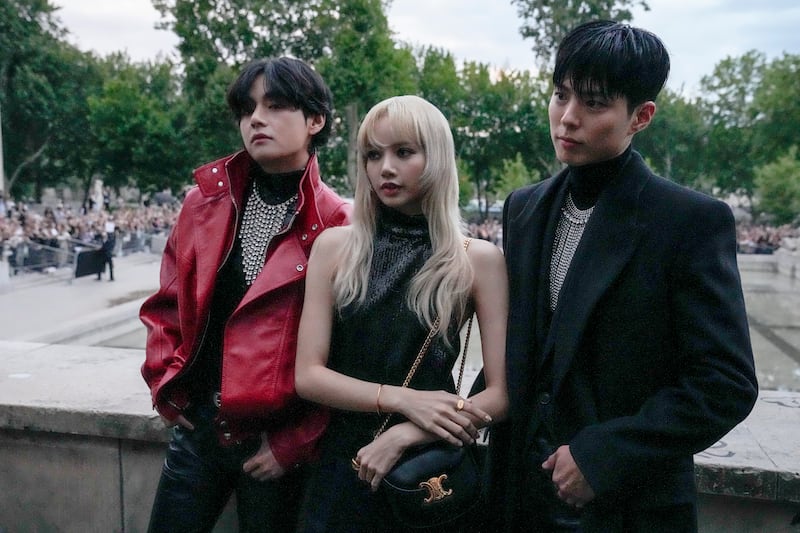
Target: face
{"x": 590, "y": 128}
{"x": 394, "y": 168}
{"x": 275, "y": 134}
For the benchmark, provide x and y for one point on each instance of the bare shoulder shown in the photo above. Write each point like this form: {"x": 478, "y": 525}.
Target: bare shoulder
{"x": 484, "y": 254}
{"x": 332, "y": 237}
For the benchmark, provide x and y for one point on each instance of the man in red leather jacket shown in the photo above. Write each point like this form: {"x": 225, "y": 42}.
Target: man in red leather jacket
{"x": 222, "y": 328}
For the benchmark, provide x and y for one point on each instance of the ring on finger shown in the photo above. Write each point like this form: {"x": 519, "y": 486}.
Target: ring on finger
{"x": 355, "y": 464}
{"x": 460, "y": 404}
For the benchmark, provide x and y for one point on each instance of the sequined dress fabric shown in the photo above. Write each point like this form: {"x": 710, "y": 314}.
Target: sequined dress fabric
{"x": 378, "y": 340}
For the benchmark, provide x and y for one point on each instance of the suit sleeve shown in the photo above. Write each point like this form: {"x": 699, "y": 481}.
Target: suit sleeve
{"x": 716, "y": 386}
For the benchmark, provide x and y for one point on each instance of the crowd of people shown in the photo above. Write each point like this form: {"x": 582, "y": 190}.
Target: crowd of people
{"x": 764, "y": 239}
{"x": 36, "y": 238}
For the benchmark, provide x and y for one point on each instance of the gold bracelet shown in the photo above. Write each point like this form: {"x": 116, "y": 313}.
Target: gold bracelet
{"x": 378, "y": 399}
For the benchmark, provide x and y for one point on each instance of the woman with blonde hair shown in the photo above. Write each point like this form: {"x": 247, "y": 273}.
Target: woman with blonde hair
{"x": 374, "y": 290}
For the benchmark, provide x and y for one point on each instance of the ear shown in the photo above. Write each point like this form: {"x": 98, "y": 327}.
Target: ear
{"x": 642, "y": 116}
{"x": 315, "y": 124}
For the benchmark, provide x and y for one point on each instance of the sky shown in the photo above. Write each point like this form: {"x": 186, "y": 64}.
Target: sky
{"x": 697, "y": 33}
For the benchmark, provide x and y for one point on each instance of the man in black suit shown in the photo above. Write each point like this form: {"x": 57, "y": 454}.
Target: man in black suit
{"x": 628, "y": 345}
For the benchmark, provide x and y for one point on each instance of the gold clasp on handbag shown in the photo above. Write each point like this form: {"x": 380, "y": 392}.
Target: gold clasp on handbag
{"x": 435, "y": 490}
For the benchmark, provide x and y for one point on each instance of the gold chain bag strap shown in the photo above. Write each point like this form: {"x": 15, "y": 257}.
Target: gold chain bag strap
{"x": 438, "y": 483}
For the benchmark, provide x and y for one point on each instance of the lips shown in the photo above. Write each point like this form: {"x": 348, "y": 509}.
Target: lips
{"x": 390, "y": 186}
{"x": 259, "y": 137}
{"x": 567, "y": 141}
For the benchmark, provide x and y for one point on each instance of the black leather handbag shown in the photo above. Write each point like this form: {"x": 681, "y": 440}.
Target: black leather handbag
{"x": 438, "y": 483}
{"x": 434, "y": 485}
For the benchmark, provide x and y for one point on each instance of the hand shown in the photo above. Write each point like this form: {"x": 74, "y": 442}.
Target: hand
{"x": 263, "y": 465}
{"x": 180, "y": 420}
{"x": 380, "y": 455}
{"x": 572, "y": 487}
{"x": 443, "y": 414}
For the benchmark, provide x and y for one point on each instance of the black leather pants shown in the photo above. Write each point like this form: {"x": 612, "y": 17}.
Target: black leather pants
{"x": 199, "y": 477}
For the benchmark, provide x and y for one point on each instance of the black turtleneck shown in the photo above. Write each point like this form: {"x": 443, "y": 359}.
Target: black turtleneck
{"x": 588, "y": 181}
{"x": 276, "y": 188}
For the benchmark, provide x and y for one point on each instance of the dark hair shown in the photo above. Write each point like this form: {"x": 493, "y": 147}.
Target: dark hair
{"x": 614, "y": 60}
{"x": 290, "y": 81}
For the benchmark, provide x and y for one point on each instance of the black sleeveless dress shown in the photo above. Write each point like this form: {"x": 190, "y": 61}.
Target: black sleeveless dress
{"x": 376, "y": 341}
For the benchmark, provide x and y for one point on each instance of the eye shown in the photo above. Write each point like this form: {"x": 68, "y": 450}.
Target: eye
{"x": 594, "y": 102}
{"x": 405, "y": 151}
{"x": 277, "y": 103}
{"x": 247, "y": 108}
{"x": 373, "y": 155}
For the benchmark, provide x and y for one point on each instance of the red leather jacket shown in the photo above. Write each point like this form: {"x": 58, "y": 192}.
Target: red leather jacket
{"x": 260, "y": 337}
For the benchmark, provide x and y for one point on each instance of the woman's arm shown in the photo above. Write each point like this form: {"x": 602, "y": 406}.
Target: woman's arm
{"x": 433, "y": 411}
{"x": 490, "y": 297}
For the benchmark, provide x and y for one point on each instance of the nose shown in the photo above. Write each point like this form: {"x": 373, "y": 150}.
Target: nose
{"x": 387, "y": 165}
{"x": 570, "y": 114}
{"x": 258, "y": 117}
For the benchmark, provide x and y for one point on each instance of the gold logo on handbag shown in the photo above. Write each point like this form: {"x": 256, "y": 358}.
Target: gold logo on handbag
{"x": 435, "y": 490}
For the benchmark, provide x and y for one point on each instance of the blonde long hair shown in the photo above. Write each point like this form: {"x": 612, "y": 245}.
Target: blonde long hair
{"x": 443, "y": 284}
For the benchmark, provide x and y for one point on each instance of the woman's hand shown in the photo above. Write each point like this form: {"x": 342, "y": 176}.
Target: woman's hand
{"x": 377, "y": 458}
{"x": 441, "y": 413}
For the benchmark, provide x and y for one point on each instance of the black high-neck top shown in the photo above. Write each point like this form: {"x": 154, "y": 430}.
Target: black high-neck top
{"x": 378, "y": 340}
{"x": 586, "y": 182}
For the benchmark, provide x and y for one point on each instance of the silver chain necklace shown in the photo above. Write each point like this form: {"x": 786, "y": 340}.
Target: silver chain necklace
{"x": 568, "y": 235}
{"x": 260, "y": 223}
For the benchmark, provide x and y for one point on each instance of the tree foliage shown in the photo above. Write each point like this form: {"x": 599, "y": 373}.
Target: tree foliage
{"x": 137, "y": 120}
{"x": 546, "y": 22}
{"x": 68, "y": 116}
{"x": 778, "y": 188}
{"x": 44, "y": 83}
{"x": 674, "y": 139}
{"x": 362, "y": 66}
{"x": 776, "y": 107}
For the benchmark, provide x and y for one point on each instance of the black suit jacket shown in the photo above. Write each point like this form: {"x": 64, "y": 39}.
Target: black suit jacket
{"x": 646, "y": 359}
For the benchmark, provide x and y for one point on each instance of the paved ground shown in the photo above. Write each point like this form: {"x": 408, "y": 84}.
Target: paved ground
{"x": 44, "y": 307}
{"x": 89, "y": 312}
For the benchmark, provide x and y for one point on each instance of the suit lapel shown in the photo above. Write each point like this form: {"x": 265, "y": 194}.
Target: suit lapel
{"x": 609, "y": 241}
{"x": 525, "y": 245}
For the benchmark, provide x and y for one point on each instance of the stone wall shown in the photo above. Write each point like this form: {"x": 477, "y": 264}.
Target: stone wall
{"x": 81, "y": 449}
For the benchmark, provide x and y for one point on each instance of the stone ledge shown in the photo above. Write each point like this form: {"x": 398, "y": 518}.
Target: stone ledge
{"x": 99, "y": 392}
{"x": 759, "y": 457}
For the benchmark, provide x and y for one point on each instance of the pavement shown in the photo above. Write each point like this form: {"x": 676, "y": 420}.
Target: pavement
{"x": 55, "y": 308}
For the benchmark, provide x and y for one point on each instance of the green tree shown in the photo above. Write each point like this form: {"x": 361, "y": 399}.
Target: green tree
{"x": 546, "y": 22}
{"x": 727, "y": 109}
{"x": 362, "y": 66}
{"x": 43, "y": 87}
{"x": 776, "y": 106}
{"x": 136, "y": 120}
{"x": 513, "y": 175}
{"x": 500, "y": 115}
{"x": 674, "y": 139}
{"x": 439, "y": 80}
{"x": 236, "y": 31}
{"x": 778, "y": 188}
